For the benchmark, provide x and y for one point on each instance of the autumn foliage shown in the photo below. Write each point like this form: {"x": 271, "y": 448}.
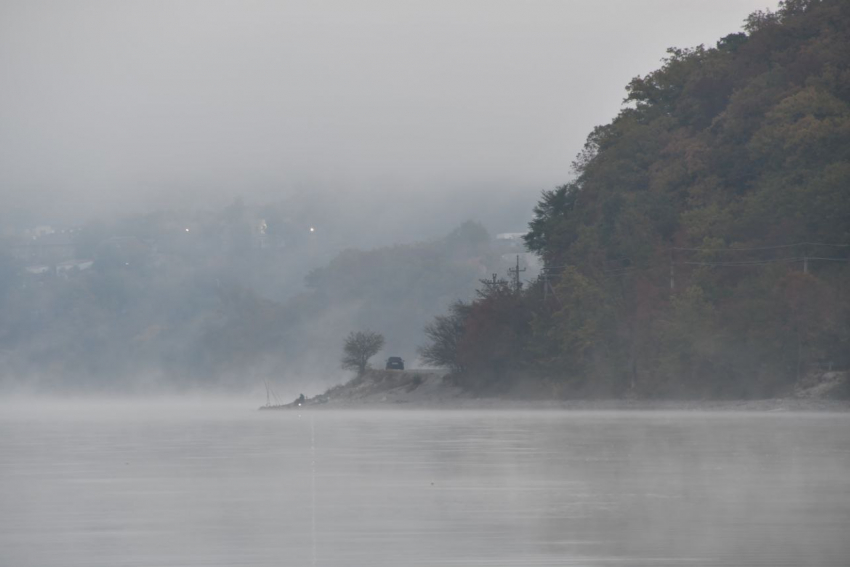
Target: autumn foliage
{"x": 702, "y": 247}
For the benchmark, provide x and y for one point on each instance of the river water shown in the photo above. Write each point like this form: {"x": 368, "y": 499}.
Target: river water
{"x": 168, "y": 484}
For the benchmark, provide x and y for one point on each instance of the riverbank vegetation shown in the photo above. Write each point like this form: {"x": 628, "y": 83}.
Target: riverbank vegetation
{"x": 702, "y": 247}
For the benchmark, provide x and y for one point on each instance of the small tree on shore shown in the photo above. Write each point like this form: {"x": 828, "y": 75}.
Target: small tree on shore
{"x": 444, "y": 336}
{"x": 359, "y": 347}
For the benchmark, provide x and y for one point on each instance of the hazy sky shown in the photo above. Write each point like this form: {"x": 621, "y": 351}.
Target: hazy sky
{"x": 125, "y": 106}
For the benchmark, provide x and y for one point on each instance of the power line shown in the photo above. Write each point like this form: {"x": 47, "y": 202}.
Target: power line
{"x": 626, "y": 271}
{"x": 760, "y": 262}
{"x": 744, "y": 262}
{"x": 762, "y": 247}
{"x": 718, "y": 250}
{"x": 738, "y": 249}
{"x": 630, "y": 270}
{"x": 548, "y": 271}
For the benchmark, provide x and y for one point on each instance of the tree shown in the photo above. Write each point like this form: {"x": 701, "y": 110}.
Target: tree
{"x": 445, "y": 334}
{"x": 359, "y": 347}
{"x": 673, "y": 257}
{"x": 494, "y": 342}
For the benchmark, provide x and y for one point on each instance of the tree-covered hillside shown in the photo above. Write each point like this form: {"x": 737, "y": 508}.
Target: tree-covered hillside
{"x": 702, "y": 247}
{"x": 163, "y": 303}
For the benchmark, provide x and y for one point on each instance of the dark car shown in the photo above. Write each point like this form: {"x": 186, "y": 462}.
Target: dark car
{"x": 395, "y": 363}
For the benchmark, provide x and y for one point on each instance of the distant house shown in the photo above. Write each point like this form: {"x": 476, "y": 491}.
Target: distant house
{"x": 511, "y": 245}
{"x": 37, "y": 270}
{"x": 259, "y": 233}
{"x": 64, "y": 268}
{"x": 510, "y": 242}
{"x": 39, "y": 231}
{"x": 49, "y": 248}
{"x": 513, "y": 236}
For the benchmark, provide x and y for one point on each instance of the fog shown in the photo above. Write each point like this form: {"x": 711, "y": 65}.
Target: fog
{"x": 195, "y": 175}
{"x": 205, "y": 205}
{"x": 440, "y": 111}
{"x": 165, "y": 484}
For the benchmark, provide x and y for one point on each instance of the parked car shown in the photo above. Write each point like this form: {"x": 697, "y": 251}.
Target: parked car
{"x": 395, "y": 363}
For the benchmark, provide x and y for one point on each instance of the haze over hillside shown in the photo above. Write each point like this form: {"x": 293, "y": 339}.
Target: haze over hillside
{"x": 211, "y": 193}
{"x": 415, "y": 117}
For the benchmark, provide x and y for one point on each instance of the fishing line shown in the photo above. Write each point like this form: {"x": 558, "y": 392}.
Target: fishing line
{"x": 313, "y": 488}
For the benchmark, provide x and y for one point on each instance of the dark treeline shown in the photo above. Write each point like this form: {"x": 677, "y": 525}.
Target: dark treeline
{"x": 702, "y": 248}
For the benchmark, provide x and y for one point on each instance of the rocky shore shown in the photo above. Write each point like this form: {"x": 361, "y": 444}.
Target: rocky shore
{"x": 428, "y": 389}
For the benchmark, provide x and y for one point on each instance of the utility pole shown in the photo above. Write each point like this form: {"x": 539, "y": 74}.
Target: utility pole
{"x": 515, "y": 272}
{"x": 491, "y": 285}
{"x": 547, "y": 288}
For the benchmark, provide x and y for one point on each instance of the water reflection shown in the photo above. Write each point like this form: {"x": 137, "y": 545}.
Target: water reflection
{"x": 235, "y": 487}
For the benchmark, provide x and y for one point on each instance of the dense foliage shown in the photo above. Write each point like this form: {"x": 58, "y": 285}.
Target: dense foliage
{"x": 701, "y": 249}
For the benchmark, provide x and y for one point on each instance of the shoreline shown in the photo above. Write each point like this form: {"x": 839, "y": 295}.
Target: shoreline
{"x": 379, "y": 389}
{"x": 774, "y": 405}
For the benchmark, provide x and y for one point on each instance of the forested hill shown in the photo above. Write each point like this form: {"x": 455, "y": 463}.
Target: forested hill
{"x": 701, "y": 249}
{"x": 165, "y": 312}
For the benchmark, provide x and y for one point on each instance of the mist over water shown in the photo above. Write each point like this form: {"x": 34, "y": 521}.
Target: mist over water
{"x": 203, "y": 199}
{"x": 161, "y": 484}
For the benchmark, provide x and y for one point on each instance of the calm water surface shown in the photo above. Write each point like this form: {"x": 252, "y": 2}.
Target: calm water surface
{"x": 214, "y": 485}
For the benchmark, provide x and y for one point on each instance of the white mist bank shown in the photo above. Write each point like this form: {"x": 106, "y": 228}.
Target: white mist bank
{"x": 180, "y": 482}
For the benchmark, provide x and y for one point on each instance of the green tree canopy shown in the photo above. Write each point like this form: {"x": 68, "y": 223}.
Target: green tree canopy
{"x": 699, "y": 222}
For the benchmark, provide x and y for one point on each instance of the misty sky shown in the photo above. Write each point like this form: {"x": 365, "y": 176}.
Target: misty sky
{"x": 120, "y": 106}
